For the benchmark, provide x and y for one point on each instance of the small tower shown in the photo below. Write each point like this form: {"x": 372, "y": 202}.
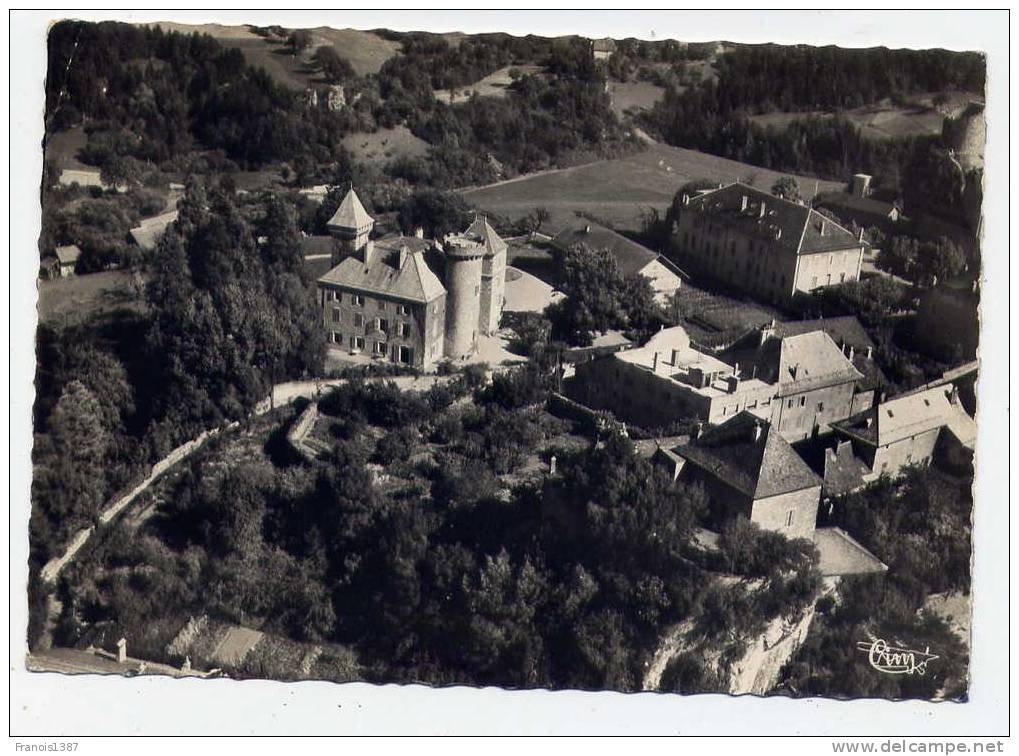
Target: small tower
{"x": 464, "y": 257}
{"x": 493, "y": 276}
{"x": 352, "y": 225}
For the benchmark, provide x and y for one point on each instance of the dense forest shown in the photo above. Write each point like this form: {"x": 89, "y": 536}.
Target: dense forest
{"x": 713, "y": 115}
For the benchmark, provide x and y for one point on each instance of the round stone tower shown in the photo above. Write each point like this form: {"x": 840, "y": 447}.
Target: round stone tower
{"x": 464, "y": 256}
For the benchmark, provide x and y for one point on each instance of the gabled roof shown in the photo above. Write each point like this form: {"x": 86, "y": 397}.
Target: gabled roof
{"x": 630, "y": 256}
{"x": 844, "y": 472}
{"x": 493, "y": 242}
{"x": 758, "y": 467}
{"x": 351, "y": 213}
{"x": 146, "y": 234}
{"x": 857, "y": 204}
{"x": 796, "y": 362}
{"x": 68, "y": 254}
{"x": 787, "y": 225}
{"x": 908, "y": 415}
{"x": 413, "y": 280}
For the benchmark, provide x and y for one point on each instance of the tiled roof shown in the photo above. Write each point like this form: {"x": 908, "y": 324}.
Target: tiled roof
{"x": 909, "y": 415}
{"x": 760, "y": 468}
{"x": 841, "y": 554}
{"x": 843, "y": 470}
{"x": 631, "y": 257}
{"x": 493, "y": 242}
{"x": 147, "y": 234}
{"x": 806, "y": 359}
{"x": 68, "y": 254}
{"x": 414, "y": 280}
{"x": 786, "y": 225}
{"x": 351, "y": 213}
{"x": 864, "y": 205}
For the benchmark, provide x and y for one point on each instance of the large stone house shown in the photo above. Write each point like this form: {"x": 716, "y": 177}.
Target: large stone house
{"x": 631, "y": 258}
{"x": 747, "y": 468}
{"x": 905, "y": 430}
{"x": 763, "y": 245}
{"x": 410, "y": 300}
{"x": 800, "y": 384}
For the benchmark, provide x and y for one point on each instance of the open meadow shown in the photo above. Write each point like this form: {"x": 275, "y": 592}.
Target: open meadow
{"x": 617, "y": 192}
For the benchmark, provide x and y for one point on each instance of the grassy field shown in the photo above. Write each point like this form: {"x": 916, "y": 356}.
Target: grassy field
{"x": 882, "y": 121}
{"x": 618, "y": 191}
{"x": 365, "y": 50}
{"x": 385, "y": 144}
{"x": 63, "y": 148}
{"x": 79, "y": 297}
{"x": 493, "y": 85}
{"x": 633, "y": 94}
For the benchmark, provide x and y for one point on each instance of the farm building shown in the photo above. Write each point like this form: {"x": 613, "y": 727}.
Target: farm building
{"x": 864, "y": 211}
{"x": 602, "y": 49}
{"x": 800, "y": 383}
{"x": 763, "y": 245}
{"x": 905, "y": 430}
{"x": 62, "y": 263}
{"x": 631, "y": 258}
{"x": 749, "y": 469}
{"x": 148, "y": 233}
{"x": 410, "y": 300}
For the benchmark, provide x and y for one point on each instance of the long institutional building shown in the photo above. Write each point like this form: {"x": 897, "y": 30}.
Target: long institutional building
{"x": 764, "y": 245}
{"x": 411, "y": 300}
{"x": 800, "y": 384}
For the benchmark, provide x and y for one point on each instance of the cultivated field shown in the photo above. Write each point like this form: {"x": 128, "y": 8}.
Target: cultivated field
{"x": 385, "y": 144}
{"x": 618, "y": 192}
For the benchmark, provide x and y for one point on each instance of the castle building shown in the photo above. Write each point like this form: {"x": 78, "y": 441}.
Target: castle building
{"x": 763, "y": 245}
{"x": 799, "y": 383}
{"x": 407, "y": 299}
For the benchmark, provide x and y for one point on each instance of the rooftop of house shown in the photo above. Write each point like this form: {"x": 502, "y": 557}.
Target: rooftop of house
{"x": 841, "y": 554}
{"x": 865, "y": 205}
{"x": 351, "y": 214}
{"x": 846, "y": 332}
{"x": 910, "y": 414}
{"x": 631, "y": 257}
{"x": 787, "y": 225}
{"x": 146, "y": 234}
{"x": 396, "y": 268}
{"x": 795, "y": 362}
{"x": 68, "y": 254}
{"x": 669, "y": 355}
{"x": 749, "y": 455}
{"x": 843, "y": 470}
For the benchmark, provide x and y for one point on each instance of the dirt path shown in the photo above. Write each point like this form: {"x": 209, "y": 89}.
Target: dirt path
{"x": 672, "y": 643}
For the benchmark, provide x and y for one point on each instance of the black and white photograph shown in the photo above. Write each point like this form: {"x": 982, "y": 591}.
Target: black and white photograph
{"x": 645, "y": 363}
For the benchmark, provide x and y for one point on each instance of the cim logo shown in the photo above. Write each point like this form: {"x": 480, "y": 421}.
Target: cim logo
{"x": 896, "y": 661}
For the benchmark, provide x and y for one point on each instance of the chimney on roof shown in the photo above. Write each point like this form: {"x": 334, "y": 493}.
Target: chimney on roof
{"x": 953, "y": 395}
{"x": 764, "y": 209}
{"x": 823, "y": 227}
{"x": 767, "y": 331}
{"x": 852, "y": 352}
{"x": 757, "y": 431}
{"x": 696, "y": 433}
{"x": 419, "y": 233}
{"x": 654, "y": 364}
{"x": 870, "y": 353}
{"x": 675, "y": 357}
{"x": 870, "y": 421}
{"x": 686, "y": 199}
{"x": 778, "y": 234}
{"x": 552, "y": 465}
{"x": 587, "y": 228}
{"x": 731, "y": 384}
{"x": 122, "y": 650}
{"x": 743, "y": 203}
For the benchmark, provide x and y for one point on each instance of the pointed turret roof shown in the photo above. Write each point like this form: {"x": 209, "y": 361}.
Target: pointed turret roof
{"x": 351, "y": 213}
{"x": 493, "y": 242}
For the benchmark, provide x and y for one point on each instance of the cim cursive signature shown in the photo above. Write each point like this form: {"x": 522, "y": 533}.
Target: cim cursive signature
{"x": 896, "y": 661}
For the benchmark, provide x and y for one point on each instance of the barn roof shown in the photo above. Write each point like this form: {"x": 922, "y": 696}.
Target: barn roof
{"x": 908, "y": 415}
{"x": 760, "y": 468}
{"x": 630, "y": 256}
{"x": 860, "y": 205}
{"x": 146, "y": 234}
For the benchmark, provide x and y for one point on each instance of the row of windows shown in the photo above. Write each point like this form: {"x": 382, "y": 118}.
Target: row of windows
{"x": 358, "y": 300}
{"x": 403, "y": 330}
{"x": 400, "y": 352}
